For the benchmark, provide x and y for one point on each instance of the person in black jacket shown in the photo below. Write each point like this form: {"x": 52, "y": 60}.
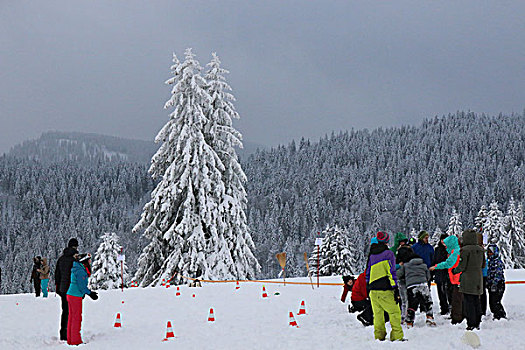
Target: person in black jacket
{"x": 62, "y": 281}
{"x": 441, "y": 277}
{"x": 35, "y": 275}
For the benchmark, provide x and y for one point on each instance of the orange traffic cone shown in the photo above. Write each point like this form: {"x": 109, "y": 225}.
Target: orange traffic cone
{"x": 193, "y": 295}
{"x": 237, "y": 286}
{"x": 211, "y": 317}
{"x": 178, "y": 292}
{"x": 117, "y": 321}
{"x": 264, "y": 295}
{"x": 163, "y": 282}
{"x": 302, "y": 309}
{"x": 169, "y": 332}
{"x": 293, "y": 323}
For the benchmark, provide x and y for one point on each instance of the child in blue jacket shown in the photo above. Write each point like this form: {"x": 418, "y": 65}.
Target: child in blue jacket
{"x": 495, "y": 282}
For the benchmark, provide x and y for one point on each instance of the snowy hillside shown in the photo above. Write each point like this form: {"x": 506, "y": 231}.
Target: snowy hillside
{"x": 243, "y": 320}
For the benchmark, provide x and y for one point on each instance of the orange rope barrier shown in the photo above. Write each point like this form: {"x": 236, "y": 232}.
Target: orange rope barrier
{"x": 260, "y": 281}
{"x": 297, "y": 283}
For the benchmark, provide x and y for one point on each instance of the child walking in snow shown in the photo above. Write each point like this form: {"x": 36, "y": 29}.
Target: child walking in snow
{"x": 416, "y": 275}
{"x": 495, "y": 282}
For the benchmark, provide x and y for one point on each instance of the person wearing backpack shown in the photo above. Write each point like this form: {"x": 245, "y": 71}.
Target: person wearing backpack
{"x": 44, "y": 276}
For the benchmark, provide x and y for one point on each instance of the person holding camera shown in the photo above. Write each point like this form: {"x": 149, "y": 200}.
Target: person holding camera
{"x": 78, "y": 288}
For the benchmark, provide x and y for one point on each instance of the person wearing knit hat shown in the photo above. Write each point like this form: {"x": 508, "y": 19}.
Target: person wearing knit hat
{"x": 63, "y": 280}
{"x": 424, "y": 249}
{"x": 383, "y": 237}
{"x": 381, "y": 281}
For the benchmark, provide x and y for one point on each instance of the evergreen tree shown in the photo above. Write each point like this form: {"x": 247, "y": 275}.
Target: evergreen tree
{"x": 481, "y": 218}
{"x": 107, "y": 270}
{"x": 436, "y": 236}
{"x": 495, "y": 229}
{"x": 455, "y": 227}
{"x": 514, "y": 228}
{"x": 335, "y": 254}
{"x": 223, "y": 138}
{"x": 191, "y": 220}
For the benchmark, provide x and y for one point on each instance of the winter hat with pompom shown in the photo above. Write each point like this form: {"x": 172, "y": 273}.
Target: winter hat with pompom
{"x": 383, "y": 237}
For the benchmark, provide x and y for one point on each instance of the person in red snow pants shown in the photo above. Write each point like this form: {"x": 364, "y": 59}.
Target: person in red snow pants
{"x": 74, "y": 320}
{"x": 77, "y": 290}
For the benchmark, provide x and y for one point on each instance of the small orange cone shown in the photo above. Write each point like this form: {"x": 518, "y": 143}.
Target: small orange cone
{"x": 193, "y": 295}
{"x": 117, "y": 321}
{"x": 302, "y": 309}
{"x": 178, "y": 292}
{"x": 122, "y": 301}
{"x": 168, "y": 284}
{"x": 169, "y": 332}
{"x": 211, "y": 318}
{"x": 163, "y": 282}
{"x": 264, "y": 295}
{"x": 293, "y": 323}
{"x": 237, "y": 286}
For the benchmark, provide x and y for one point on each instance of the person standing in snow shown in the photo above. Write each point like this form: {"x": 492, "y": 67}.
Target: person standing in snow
{"x": 382, "y": 283}
{"x": 44, "y": 276}
{"x": 62, "y": 281}
{"x": 441, "y": 277}
{"x": 496, "y": 282}
{"x": 401, "y": 243}
{"x": 484, "y": 271}
{"x": 424, "y": 249}
{"x": 415, "y": 274}
{"x": 471, "y": 262}
{"x": 35, "y": 275}
{"x": 80, "y": 273}
{"x": 456, "y": 305}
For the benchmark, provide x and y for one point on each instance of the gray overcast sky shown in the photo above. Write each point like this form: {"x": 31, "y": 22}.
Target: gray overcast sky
{"x": 298, "y": 68}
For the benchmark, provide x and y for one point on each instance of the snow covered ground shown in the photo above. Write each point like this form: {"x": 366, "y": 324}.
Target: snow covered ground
{"x": 243, "y": 320}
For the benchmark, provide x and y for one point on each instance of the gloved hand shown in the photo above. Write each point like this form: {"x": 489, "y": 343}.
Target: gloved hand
{"x": 93, "y": 295}
{"x": 351, "y": 309}
{"x": 397, "y": 297}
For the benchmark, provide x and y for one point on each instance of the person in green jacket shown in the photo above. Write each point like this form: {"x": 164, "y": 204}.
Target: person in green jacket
{"x": 400, "y": 239}
{"x": 456, "y": 307}
{"x": 471, "y": 263}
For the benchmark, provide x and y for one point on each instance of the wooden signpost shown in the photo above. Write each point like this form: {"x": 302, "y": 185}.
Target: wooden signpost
{"x": 281, "y": 257}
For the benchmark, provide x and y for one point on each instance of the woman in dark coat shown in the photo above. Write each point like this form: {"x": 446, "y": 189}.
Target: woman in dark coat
{"x": 471, "y": 262}
{"x": 441, "y": 277}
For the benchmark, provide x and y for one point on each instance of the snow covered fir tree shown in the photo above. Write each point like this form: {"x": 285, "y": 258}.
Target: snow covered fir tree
{"x": 339, "y": 253}
{"x": 195, "y": 221}
{"x": 108, "y": 271}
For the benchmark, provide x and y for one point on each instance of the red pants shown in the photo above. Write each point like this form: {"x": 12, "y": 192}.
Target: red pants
{"x": 74, "y": 320}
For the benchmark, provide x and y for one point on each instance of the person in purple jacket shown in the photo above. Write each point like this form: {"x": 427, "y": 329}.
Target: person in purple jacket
{"x": 381, "y": 282}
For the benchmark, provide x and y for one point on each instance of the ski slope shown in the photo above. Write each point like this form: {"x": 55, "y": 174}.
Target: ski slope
{"x": 244, "y": 320}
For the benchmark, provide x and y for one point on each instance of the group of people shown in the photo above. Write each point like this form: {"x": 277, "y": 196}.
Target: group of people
{"x": 40, "y": 276}
{"x": 71, "y": 281}
{"x": 396, "y": 282}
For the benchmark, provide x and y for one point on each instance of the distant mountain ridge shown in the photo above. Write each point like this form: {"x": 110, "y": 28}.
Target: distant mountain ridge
{"x": 58, "y": 146}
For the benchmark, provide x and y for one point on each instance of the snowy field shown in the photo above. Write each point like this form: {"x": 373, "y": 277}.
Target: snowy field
{"x": 243, "y": 320}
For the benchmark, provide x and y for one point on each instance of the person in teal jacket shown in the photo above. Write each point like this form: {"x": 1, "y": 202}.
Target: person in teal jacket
{"x": 452, "y": 244}
{"x": 77, "y": 290}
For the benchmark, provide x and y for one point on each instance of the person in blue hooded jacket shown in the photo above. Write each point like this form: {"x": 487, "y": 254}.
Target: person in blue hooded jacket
{"x": 496, "y": 282}
{"x": 78, "y": 288}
